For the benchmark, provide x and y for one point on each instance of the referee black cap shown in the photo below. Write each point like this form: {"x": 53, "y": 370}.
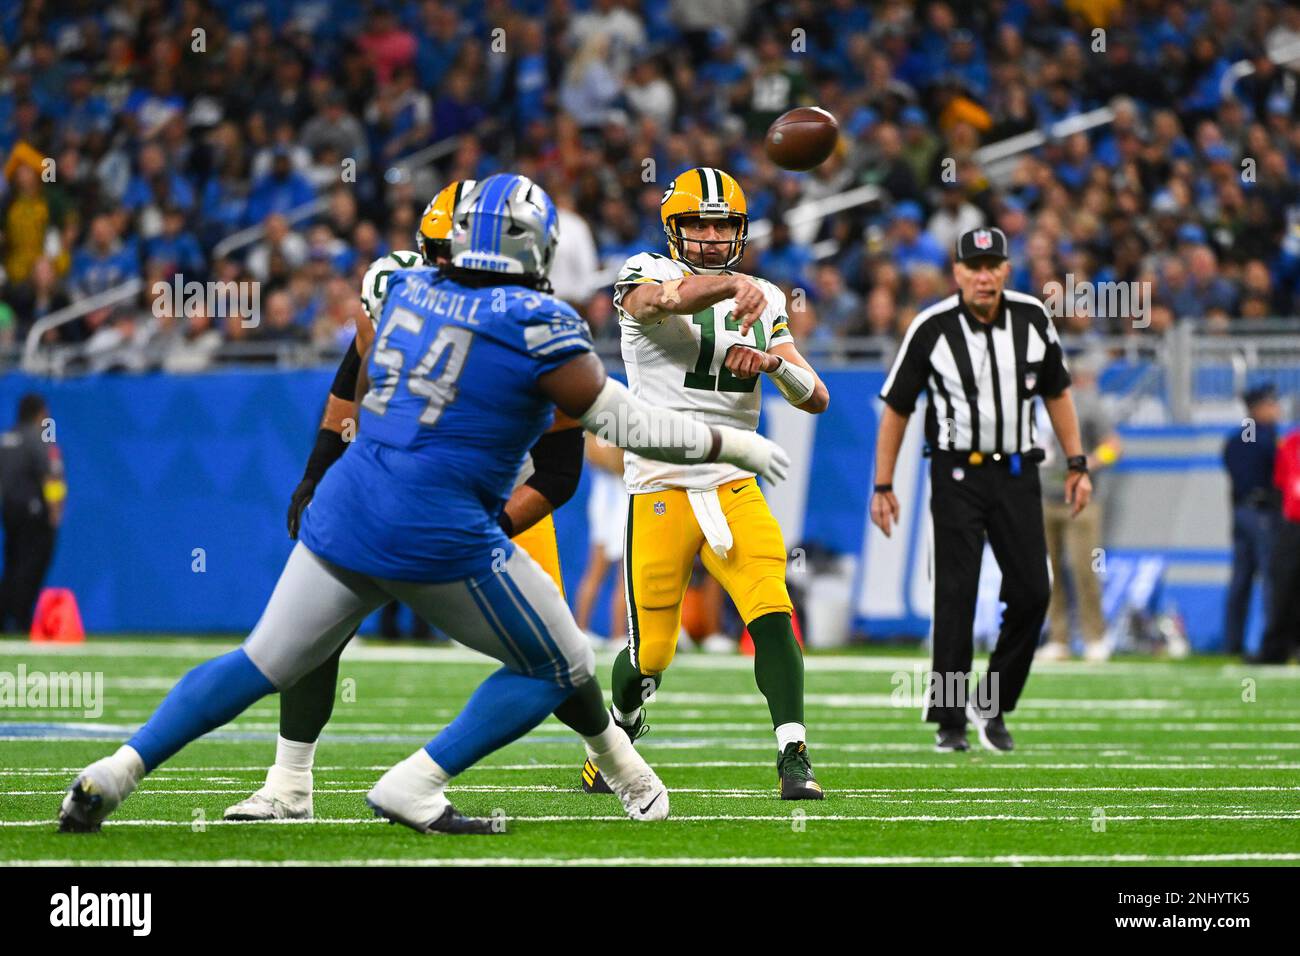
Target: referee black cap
{"x": 982, "y": 243}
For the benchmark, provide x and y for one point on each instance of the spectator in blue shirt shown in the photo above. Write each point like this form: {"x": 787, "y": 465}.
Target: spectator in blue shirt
{"x": 966, "y": 63}
{"x": 82, "y": 110}
{"x": 102, "y": 262}
{"x": 723, "y": 68}
{"x": 528, "y": 75}
{"x": 175, "y": 249}
{"x": 457, "y": 110}
{"x": 839, "y": 308}
{"x": 149, "y": 109}
{"x": 279, "y": 191}
{"x": 1207, "y": 68}
{"x": 784, "y": 262}
{"x": 156, "y": 185}
{"x": 911, "y": 246}
{"x": 439, "y": 36}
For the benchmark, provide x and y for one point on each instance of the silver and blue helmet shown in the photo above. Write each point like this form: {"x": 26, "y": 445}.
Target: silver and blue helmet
{"x": 506, "y": 224}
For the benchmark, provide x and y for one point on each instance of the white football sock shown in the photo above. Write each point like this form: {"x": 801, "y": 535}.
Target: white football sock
{"x": 790, "y": 733}
{"x": 427, "y": 769}
{"x": 628, "y": 719}
{"x": 610, "y": 750}
{"x": 129, "y": 766}
{"x": 294, "y": 755}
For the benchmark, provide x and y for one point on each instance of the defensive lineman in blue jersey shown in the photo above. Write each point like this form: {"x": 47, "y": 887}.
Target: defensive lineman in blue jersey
{"x": 464, "y": 372}
{"x": 449, "y": 446}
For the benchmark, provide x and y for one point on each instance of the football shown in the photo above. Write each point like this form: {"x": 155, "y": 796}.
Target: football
{"x": 802, "y": 138}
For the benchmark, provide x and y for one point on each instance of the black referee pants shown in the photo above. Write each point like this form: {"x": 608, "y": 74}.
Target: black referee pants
{"x": 28, "y": 549}
{"x": 968, "y": 502}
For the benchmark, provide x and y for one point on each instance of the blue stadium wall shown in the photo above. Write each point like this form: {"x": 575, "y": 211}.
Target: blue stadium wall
{"x": 170, "y": 473}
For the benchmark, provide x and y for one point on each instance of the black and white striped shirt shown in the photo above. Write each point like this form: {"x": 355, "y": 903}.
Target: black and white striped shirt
{"x": 981, "y": 378}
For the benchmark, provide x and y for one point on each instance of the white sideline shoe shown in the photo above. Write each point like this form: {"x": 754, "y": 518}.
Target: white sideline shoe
{"x": 1096, "y": 652}
{"x": 1052, "y": 651}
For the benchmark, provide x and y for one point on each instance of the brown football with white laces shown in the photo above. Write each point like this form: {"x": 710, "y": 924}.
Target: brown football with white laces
{"x": 802, "y": 138}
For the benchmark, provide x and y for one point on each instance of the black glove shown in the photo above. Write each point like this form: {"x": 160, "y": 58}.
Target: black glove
{"x": 328, "y": 449}
{"x": 302, "y": 495}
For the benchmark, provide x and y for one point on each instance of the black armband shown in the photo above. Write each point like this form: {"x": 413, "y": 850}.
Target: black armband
{"x": 881, "y": 488}
{"x": 507, "y": 523}
{"x": 557, "y": 465}
{"x": 345, "y": 379}
{"x": 1077, "y": 463}
{"x": 328, "y": 449}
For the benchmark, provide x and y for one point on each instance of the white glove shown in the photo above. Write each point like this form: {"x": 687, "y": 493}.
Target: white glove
{"x": 752, "y": 452}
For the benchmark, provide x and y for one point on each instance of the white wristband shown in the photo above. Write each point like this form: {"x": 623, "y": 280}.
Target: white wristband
{"x": 794, "y": 382}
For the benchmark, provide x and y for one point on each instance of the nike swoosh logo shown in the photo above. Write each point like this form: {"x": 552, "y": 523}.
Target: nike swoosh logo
{"x": 736, "y": 491}
{"x": 646, "y": 808}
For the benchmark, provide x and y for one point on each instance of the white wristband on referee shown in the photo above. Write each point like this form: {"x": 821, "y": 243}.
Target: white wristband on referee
{"x": 794, "y": 382}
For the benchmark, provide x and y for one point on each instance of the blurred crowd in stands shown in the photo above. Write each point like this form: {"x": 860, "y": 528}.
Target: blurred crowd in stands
{"x": 138, "y": 135}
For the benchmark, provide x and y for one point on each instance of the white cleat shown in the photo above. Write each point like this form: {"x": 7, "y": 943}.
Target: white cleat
{"x": 285, "y": 796}
{"x": 1097, "y": 652}
{"x": 642, "y": 793}
{"x": 1052, "y": 651}
{"x": 718, "y": 644}
{"x": 97, "y": 792}
{"x": 403, "y": 796}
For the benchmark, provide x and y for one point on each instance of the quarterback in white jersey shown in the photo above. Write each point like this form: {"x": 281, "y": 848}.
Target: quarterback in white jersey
{"x": 656, "y": 353}
{"x": 696, "y": 335}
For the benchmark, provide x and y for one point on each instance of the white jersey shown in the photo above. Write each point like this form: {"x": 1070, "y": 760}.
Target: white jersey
{"x": 375, "y": 283}
{"x": 677, "y": 363}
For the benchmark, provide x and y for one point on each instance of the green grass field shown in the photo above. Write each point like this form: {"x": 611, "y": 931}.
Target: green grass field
{"x": 1132, "y": 762}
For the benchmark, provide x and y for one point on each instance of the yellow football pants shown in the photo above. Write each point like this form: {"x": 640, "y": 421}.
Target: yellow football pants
{"x": 663, "y": 538}
{"x": 540, "y": 543}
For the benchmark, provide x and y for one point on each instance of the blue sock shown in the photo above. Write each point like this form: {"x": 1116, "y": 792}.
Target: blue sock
{"x": 210, "y": 695}
{"x": 504, "y": 707}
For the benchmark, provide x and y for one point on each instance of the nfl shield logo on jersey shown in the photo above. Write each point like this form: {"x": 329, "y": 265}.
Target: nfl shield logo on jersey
{"x": 660, "y": 507}
{"x": 1031, "y": 379}
{"x": 983, "y": 239}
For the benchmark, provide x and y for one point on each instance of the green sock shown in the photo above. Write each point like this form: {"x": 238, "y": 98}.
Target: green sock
{"x": 305, "y": 707}
{"x": 630, "y": 688}
{"x": 778, "y": 667}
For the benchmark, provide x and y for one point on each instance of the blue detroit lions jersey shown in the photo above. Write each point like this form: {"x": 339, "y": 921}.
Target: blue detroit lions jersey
{"x": 452, "y": 411}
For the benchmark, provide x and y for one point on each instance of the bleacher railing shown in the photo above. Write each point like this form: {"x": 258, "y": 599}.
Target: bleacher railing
{"x": 1187, "y": 374}
{"x": 33, "y": 361}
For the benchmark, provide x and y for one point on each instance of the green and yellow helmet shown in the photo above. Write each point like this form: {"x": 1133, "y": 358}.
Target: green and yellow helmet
{"x": 433, "y": 238}
{"x": 705, "y": 193}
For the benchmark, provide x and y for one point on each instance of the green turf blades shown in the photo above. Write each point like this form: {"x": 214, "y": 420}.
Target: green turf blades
{"x": 1133, "y": 762}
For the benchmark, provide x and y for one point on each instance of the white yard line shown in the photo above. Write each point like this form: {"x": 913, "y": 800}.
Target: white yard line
{"x": 183, "y": 774}
{"x": 1246, "y": 817}
{"x": 962, "y": 764}
{"x": 361, "y": 651}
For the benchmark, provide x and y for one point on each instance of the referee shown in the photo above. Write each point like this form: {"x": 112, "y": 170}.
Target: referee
{"x": 32, "y": 492}
{"x": 982, "y": 356}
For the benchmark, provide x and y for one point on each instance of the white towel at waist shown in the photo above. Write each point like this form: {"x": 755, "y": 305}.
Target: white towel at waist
{"x": 708, "y": 512}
